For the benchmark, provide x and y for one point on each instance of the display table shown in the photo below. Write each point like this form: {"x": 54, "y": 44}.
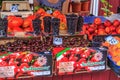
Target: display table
{"x": 104, "y": 75}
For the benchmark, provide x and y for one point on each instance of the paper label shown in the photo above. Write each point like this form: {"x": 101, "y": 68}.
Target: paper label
{"x": 7, "y": 71}
{"x": 111, "y": 40}
{"x": 57, "y": 41}
{"x": 66, "y": 67}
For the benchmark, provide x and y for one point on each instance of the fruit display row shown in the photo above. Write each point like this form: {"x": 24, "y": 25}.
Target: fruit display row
{"x": 39, "y": 44}
{"x": 25, "y": 64}
{"x": 42, "y": 43}
{"x": 79, "y": 59}
{"x": 113, "y": 45}
{"x": 71, "y": 41}
{"x": 55, "y": 23}
{"x": 101, "y": 28}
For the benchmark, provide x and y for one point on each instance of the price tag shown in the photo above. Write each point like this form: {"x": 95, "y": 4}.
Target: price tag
{"x": 7, "y": 71}
{"x": 111, "y": 40}
{"x": 57, "y": 41}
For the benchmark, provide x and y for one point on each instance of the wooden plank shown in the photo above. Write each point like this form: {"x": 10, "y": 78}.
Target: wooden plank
{"x": 57, "y": 78}
{"x": 113, "y": 76}
{"x": 100, "y": 74}
{"x": 77, "y": 77}
{"x": 37, "y": 78}
{"x": 68, "y": 77}
{"x": 47, "y": 78}
{"x": 115, "y": 4}
{"x": 86, "y": 76}
{"x": 27, "y": 79}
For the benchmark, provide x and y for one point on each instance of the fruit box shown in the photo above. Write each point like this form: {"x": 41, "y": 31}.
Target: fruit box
{"x": 25, "y": 64}
{"x": 113, "y": 65}
{"x": 22, "y": 8}
{"x": 90, "y": 19}
{"x": 71, "y": 41}
{"x": 79, "y": 60}
{"x": 97, "y": 40}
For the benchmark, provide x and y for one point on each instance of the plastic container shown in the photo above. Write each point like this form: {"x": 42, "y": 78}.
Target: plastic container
{"x": 47, "y": 24}
{"x": 113, "y": 65}
{"x": 72, "y": 20}
{"x": 55, "y": 26}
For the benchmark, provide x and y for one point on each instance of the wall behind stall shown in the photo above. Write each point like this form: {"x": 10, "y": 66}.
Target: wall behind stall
{"x": 114, "y": 3}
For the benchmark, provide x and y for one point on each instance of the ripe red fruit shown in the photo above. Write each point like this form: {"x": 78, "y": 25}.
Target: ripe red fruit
{"x": 101, "y": 32}
{"x": 91, "y": 30}
{"x": 22, "y": 66}
{"x": 116, "y": 23}
{"x": 84, "y": 28}
{"x": 107, "y": 23}
{"x": 112, "y": 28}
{"x": 27, "y": 58}
{"x": 118, "y": 30}
{"x": 97, "y": 21}
{"x": 101, "y": 26}
{"x": 108, "y": 30}
{"x": 113, "y": 33}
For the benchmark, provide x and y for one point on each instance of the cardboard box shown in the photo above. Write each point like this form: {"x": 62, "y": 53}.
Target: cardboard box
{"x": 25, "y": 64}
{"x": 79, "y": 60}
{"x": 22, "y": 9}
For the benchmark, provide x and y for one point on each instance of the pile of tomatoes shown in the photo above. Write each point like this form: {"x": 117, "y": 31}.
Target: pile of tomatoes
{"x": 17, "y": 24}
{"x": 99, "y": 28}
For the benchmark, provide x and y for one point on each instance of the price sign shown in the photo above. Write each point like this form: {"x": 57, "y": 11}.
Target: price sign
{"x": 57, "y": 41}
{"x": 7, "y": 71}
{"x": 111, "y": 40}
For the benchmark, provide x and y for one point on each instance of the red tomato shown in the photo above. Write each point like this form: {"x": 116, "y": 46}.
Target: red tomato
{"x": 13, "y": 62}
{"x": 4, "y": 57}
{"x": 29, "y": 29}
{"x": 27, "y": 58}
{"x": 97, "y": 21}
{"x": 27, "y": 23}
{"x": 22, "y": 66}
{"x": 56, "y": 13}
{"x": 40, "y": 10}
{"x": 3, "y": 63}
{"x": 36, "y": 64}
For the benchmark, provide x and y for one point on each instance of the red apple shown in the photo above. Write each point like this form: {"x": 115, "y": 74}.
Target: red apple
{"x": 116, "y": 23}
{"x": 107, "y": 23}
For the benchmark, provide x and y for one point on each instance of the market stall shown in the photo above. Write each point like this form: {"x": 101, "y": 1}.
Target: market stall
{"x": 58, "y": 44}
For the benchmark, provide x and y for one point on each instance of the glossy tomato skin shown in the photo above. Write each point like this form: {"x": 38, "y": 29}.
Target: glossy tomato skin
{"x": 97, "y": 21}
{"x": 27, "y": 58}
{"x": 56, "y": 13}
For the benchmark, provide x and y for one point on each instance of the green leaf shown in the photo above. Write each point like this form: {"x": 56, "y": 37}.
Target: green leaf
{"x": 102, "y": 1}
{"x": 105, "y": 9}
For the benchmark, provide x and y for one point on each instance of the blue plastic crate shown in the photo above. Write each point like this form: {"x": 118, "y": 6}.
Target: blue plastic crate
{"x": 90, "y": 19}
{"x": 113, "y": 65}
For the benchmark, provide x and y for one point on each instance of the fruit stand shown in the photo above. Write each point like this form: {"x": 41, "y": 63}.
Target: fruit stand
{"x": 47, "y": 44}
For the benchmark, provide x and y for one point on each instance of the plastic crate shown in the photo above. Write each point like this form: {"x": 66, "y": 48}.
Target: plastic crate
{"x": 90, "y": 19}
{"x": 113, "y": 65}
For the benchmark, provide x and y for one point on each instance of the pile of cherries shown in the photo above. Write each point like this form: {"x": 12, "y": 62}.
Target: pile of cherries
{"x": 39, "y": 44}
